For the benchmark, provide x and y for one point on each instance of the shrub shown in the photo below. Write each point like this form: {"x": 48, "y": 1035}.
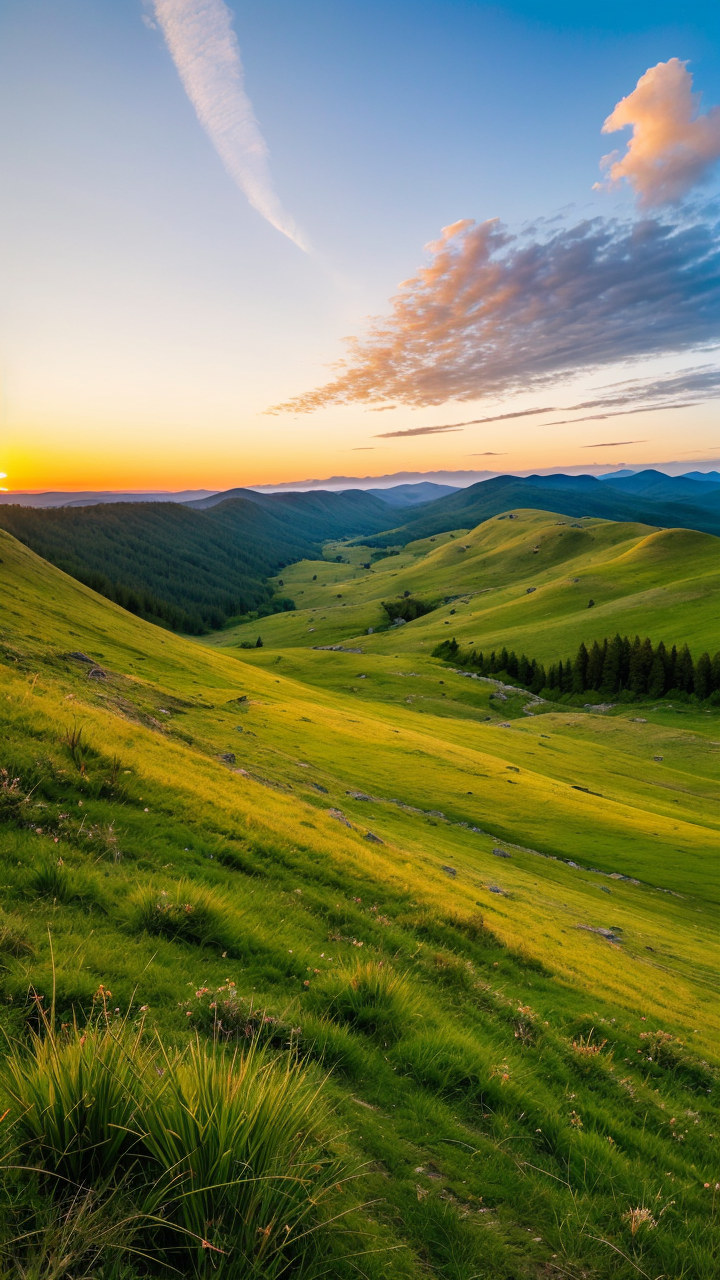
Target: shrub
{"x": 370, "y": 997}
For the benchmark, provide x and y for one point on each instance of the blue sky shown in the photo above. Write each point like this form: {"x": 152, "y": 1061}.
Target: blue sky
{"x": 152, "y": 315}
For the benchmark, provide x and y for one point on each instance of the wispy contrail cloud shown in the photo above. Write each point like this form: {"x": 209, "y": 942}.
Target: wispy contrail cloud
{"x": 205, "y": 51}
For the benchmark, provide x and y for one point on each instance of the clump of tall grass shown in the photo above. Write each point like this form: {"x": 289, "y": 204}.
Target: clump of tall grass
{"x": 227, "y": 1015}
{"x": 220, "y": 1161}
{"x": 242, "y": 1172}
{"x": 13, "y": 938}
{"x": 449, "y": 1064}
{"x": 191, "y": 913}
{"x": 370, "y": 997}
{"x": 61, "y": 884}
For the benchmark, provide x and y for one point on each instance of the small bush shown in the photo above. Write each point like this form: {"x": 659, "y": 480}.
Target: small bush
{"x": 191, "y": 913}
{"x": 370, "y": 997}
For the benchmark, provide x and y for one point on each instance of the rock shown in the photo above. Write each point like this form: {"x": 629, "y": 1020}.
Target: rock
{"x": 500, "y": 853}
{"x": 495, "y": 888}
{"x": 357, "y": 795}
{"x": 228, "y": 757}
{"x": 370, "y": 630}
{"x": 336, "y": 648}
{"x": 370, "y": 835}
{"x": 603, "y": 933}
{"x": 317, "y": 787}
{"x": 81, "y": 657}
{"x": 97, "y": 673}
{"x": 339, "y": 816}
{"x": 450, "y": 871}
{"x": 657, "y": 758}
{"x": 530, "y": 590}
{"x": 638, "y": 720}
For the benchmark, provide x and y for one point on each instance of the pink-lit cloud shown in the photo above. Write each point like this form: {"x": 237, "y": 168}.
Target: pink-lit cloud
{"x": 673, "y": 146}
{"x": 494, "y": 313}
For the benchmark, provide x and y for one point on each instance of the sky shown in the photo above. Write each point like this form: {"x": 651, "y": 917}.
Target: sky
{"x": 203, "y": 201}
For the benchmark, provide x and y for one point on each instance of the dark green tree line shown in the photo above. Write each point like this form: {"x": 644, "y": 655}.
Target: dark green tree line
{"x": 608, "y": 667}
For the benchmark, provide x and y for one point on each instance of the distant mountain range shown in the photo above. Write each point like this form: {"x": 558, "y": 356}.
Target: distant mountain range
{"x": 192, "y": 565}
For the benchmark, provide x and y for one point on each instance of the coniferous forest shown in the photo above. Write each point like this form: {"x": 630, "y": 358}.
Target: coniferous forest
{"x": 634, "y": 668}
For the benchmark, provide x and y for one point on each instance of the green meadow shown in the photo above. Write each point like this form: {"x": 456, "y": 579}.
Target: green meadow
{"x": 318, "y": 962}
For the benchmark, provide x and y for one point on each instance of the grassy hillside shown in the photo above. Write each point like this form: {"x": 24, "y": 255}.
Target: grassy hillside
{"x": 575, "y": 496}
{"x": 515, "y": 992}
{"x": 191, "y": 569}
{"x": 525, "y": 582}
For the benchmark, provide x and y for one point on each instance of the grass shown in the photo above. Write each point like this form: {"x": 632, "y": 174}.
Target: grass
{"x": 445, "y": 989}
{"x": 219, "y": 1157}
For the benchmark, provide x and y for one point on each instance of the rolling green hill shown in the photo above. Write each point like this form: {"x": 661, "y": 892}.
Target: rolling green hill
{"x": 575, "y": 496}
{"x": 514, "y": 991}
{"x": 191, "y": 569}
{"x": 524, "y": 579}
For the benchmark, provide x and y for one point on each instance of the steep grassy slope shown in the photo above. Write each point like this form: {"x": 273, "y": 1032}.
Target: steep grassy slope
{"x": 525, "y": 582}
{"x": 333, "y": 818}
{"x": 191, "y": 569}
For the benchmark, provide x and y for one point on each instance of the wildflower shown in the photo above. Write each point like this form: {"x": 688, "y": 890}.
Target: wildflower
{"x": 576, "y": 1120}
{"x": 639, "y": 1217}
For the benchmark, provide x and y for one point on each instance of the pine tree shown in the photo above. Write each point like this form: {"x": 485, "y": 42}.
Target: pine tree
{"x": 672, "y": 670}
{"x": 259, "y": 643}
{"x": 512, "y": 665}
{"x": 524, "y": 670}
{"x": 716, "y": 671}
{"x": 637, "y": 680}
{"x": 684, "y": 671}
{"x": 580, "y": 670}
{"x": 703, "y": 676}
{"x": 538, "y": 678}
{"x": 656, "y": 678}
{"x": 595, "y": 666}
{"x": 504, "y": 659}
{"x": 612, "y": 666}
{"x": 567, "y": 684}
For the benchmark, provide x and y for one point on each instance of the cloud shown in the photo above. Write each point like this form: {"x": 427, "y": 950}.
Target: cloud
{"x": 205, "y": 51}
{"x": 494, "y": 313}
{"x": 416, "y": 431}
{"x": 673, "y": 146}
{"x": 487, "y": 454}
{"x": 612, "y": 444}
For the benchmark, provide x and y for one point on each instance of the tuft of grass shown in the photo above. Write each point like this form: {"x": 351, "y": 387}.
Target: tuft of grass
{"x": 370, "y": 997}
{"x": 190, "y": 913}
{"x": 61, "y": 884}
{"x": 225, "y": 1161}
{"x": 447, "y": 1063}
{"x": 245, "y": 1173}
{"x": 78, "y": 1097}
{"x": 13, "y": 938}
